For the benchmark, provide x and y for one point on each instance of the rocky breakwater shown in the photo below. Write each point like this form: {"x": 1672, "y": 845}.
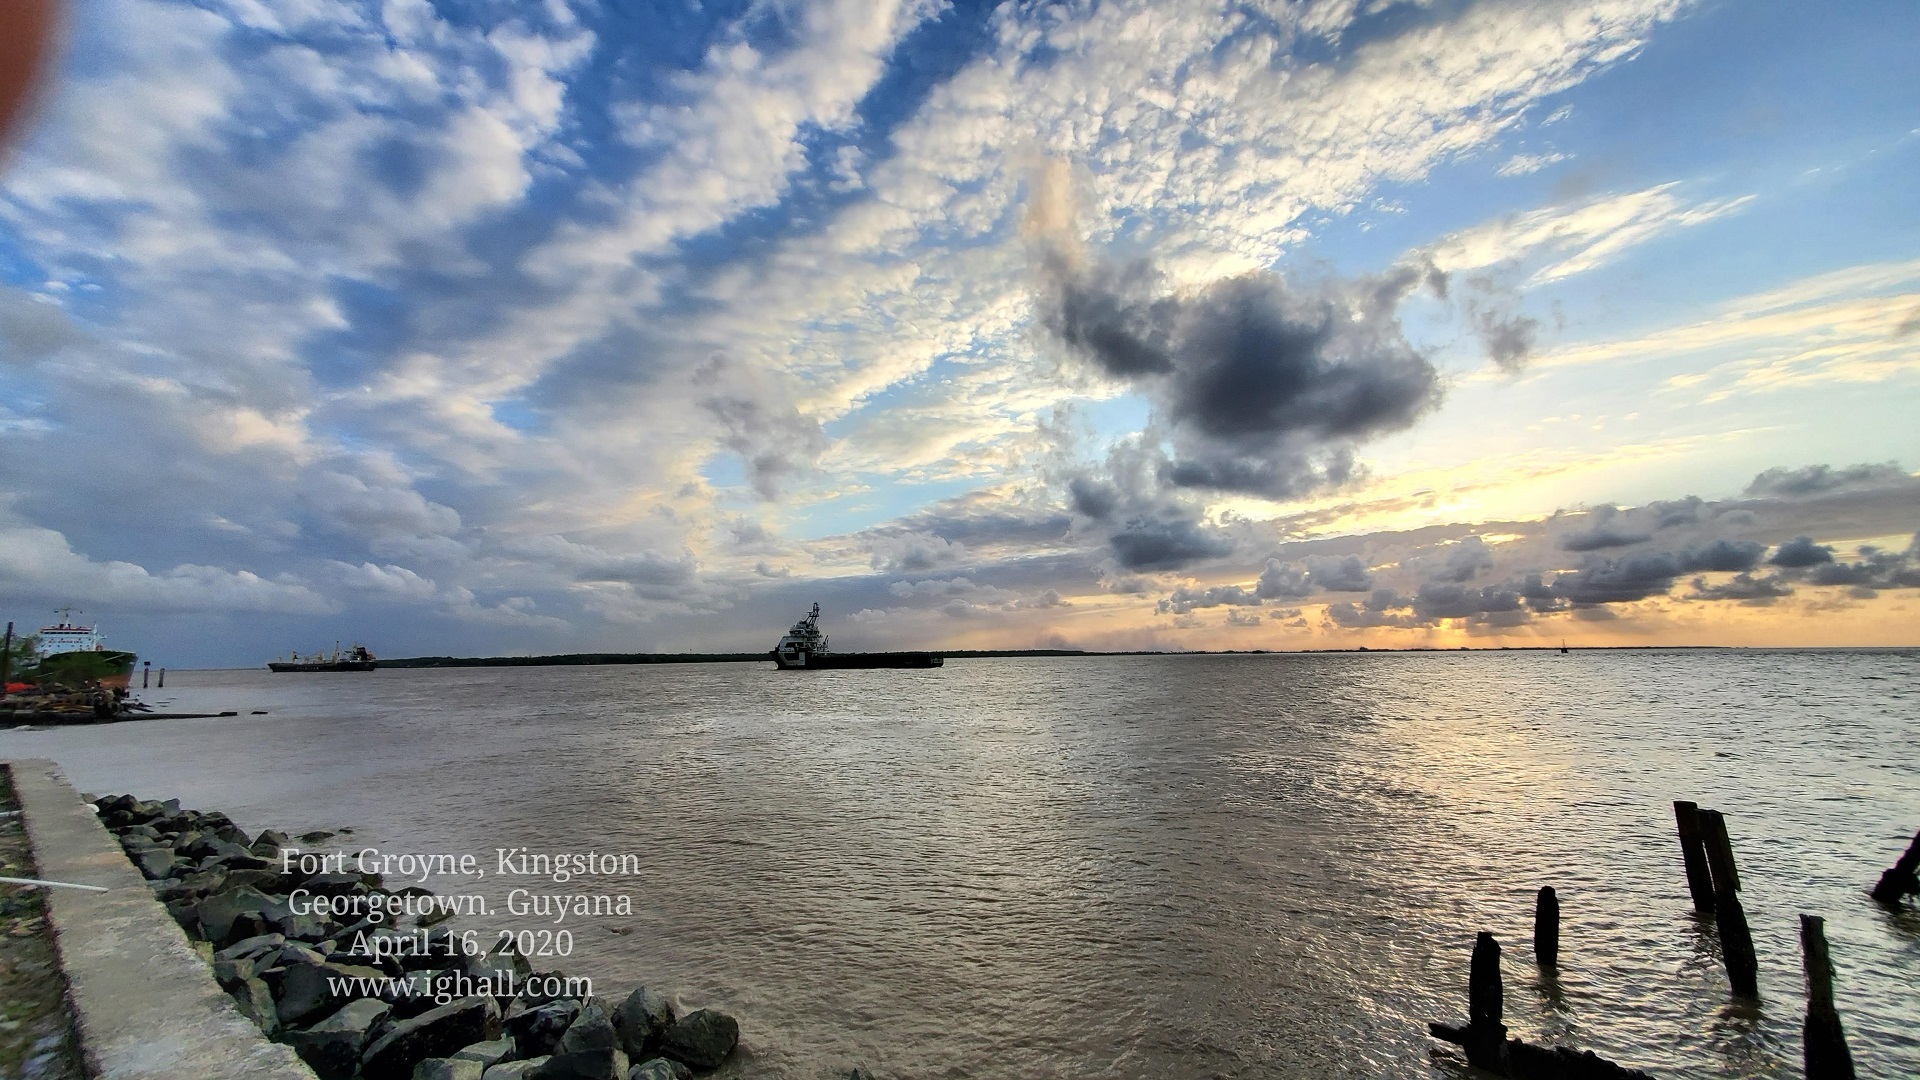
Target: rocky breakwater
{"x": 370, "y": 999}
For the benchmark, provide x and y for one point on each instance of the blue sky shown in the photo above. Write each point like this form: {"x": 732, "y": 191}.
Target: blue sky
{"x": 470, "y": 327}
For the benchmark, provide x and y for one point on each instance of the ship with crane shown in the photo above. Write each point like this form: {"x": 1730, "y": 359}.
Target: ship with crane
{"x": 805, "y": 648}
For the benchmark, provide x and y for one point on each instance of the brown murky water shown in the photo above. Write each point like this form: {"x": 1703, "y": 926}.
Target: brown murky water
{"x": 1256, "y": 866}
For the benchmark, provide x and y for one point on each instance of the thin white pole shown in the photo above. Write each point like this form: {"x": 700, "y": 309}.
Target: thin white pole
{"x": 50, "y": 884}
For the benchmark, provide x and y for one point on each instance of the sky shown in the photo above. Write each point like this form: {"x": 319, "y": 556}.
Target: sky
{"x": 484, "y": 328}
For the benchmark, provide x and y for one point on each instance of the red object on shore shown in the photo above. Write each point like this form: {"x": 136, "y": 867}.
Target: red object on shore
{"x": 16, "y": 687}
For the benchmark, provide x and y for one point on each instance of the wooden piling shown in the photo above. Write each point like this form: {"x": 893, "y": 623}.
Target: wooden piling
{"x": 146, "y": 673}
{"x": 1736, "y": 939}
{"x": 163, "y": 679}
{"x": 1486, "y": 1045}
{"x": 1546, "y": 928}
{"x": 1904, "y": 878}
{"x": 1823, "y": 1041}
{"x": 1693, "y": 854}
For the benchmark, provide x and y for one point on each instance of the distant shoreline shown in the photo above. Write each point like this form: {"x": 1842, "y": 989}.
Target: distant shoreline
{"x": 583, "y": 659}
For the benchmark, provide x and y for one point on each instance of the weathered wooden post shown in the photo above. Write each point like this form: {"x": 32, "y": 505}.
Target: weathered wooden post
{"x": 1736, "y": 939}
{"x": 163, "y": 679}
{"x": 146, "y": 672}
{"x": 1486, "y": 1045}
{"x": 1824, "y": 1043}
{"x": 1694, "y": 854}
{"x": 1546, "y": 928}
{"x": 1904, "y": 878}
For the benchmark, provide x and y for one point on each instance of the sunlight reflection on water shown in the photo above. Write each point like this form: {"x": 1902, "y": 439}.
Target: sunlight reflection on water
{"x": 1132, "y": 867}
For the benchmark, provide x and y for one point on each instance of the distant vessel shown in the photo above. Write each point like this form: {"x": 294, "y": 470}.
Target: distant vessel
{"x": 354, "y": 659}
{"x": 70, "y": 652}
{"x": 805, "y": 649}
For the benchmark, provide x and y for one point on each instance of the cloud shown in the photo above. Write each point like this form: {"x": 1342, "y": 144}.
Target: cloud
{"x": 1568, "y": 239}
{"x": 1184, "y": 600}
{"x": 1266, "y": 387}
{"x": 1602, "y": 580}
{"x": 1609, "y": 530}
{"x": 40, "y": 563}
{"x": 1743, "y": 587}
{"x": 1339, "y": 574}
{"x": 1815, "y": 480}
{"x": 1166, "y": 544}
{"x": 1800, "y": 552}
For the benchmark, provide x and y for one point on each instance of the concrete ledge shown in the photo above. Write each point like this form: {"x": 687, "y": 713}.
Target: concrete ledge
{"x": 143, "y": 1001}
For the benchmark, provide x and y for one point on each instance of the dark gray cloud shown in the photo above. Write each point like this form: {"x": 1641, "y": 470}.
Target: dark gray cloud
{"x": 1876, "y": 569}
{"x": 1465, "y": 561}
{"x": 1509, "y": 337}
{"x": 1448, "y": 600}
{"x": 1609, "y": 530}
{"x": 1167, "y": 544}
{"x": 1185, "y": 599}
{"x": 1668, "y": 514}
{"x": 1264, "y": 387}
{"x": 1743, "y": 587}
{"x": 773, "y": 439}
{"x": 1813, "y": 480}
{"x": 1093, "y": 498}
{"x": 1339, "y": 574}
{"x": 1283, "y": 581}
{"x": 1602, "y": 580}
{"x": 1800, "y": 552}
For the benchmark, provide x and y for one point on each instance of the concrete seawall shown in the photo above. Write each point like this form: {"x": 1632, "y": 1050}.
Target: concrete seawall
{"x": 144, "y": 1003}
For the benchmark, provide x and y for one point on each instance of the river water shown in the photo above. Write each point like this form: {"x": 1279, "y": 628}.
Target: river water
{"x": 1180, "y": 866}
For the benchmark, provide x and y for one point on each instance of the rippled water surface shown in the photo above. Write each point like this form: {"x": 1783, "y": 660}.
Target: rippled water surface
{"x": 1197, "y": 866}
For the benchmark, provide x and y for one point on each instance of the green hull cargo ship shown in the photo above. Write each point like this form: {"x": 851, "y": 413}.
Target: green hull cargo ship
{"x": 73, "y": 654}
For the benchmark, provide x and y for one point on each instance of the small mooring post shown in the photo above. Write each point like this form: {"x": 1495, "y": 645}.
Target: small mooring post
{"x": 1736, "y": 939}
{"x": 1546, "y": 928}
{"x": 163, "y": 679}
{"x": 146, "y": 672}
{"x": 1823, "y": 1041}
{"x": 1902, "y": 879}
{"x": 1694, "y": 854}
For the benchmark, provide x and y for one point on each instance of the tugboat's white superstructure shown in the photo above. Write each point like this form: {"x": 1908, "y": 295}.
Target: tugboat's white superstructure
{"x": 802, "y": 643}
{"x": 805, "y": 649}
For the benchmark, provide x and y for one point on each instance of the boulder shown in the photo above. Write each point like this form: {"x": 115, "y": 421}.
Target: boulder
{"x": 640, "y": 1020}
{"x": 251, "y": 947}
{"x": 332, "y": 1047}
{"x": 448, "y": 1069}
{"x": 229, "y": 972}
{"x": 513, "y": 1070}
{"x": 702, "y": 1039}
{"x": 537, "y": 1030}
{"x": 302, "y": 926}
{"x": 588, "y": 1050}
{"x": 308, "y": 988}
{"x": 434, "y": 1033}
{"x": 155, "y": 862}
{"x": 222, "y": 912}
{"x": 256, "y": 1004}
{"x": 489, "y": 1053}
{"x": 335, "y": 885}
{"x": 193, "y": 886}
{"x": 186, "y": 912}
{"x": 660, "y": 1069}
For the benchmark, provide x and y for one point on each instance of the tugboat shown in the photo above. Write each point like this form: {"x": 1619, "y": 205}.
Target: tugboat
{"x": 805, "y": 649}
{"x": 72, "y": 653}
{"x": 354, "y": 659}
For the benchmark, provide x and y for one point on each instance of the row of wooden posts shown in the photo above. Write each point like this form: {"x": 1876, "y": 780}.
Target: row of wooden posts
{"x": 1713, "y": 879}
